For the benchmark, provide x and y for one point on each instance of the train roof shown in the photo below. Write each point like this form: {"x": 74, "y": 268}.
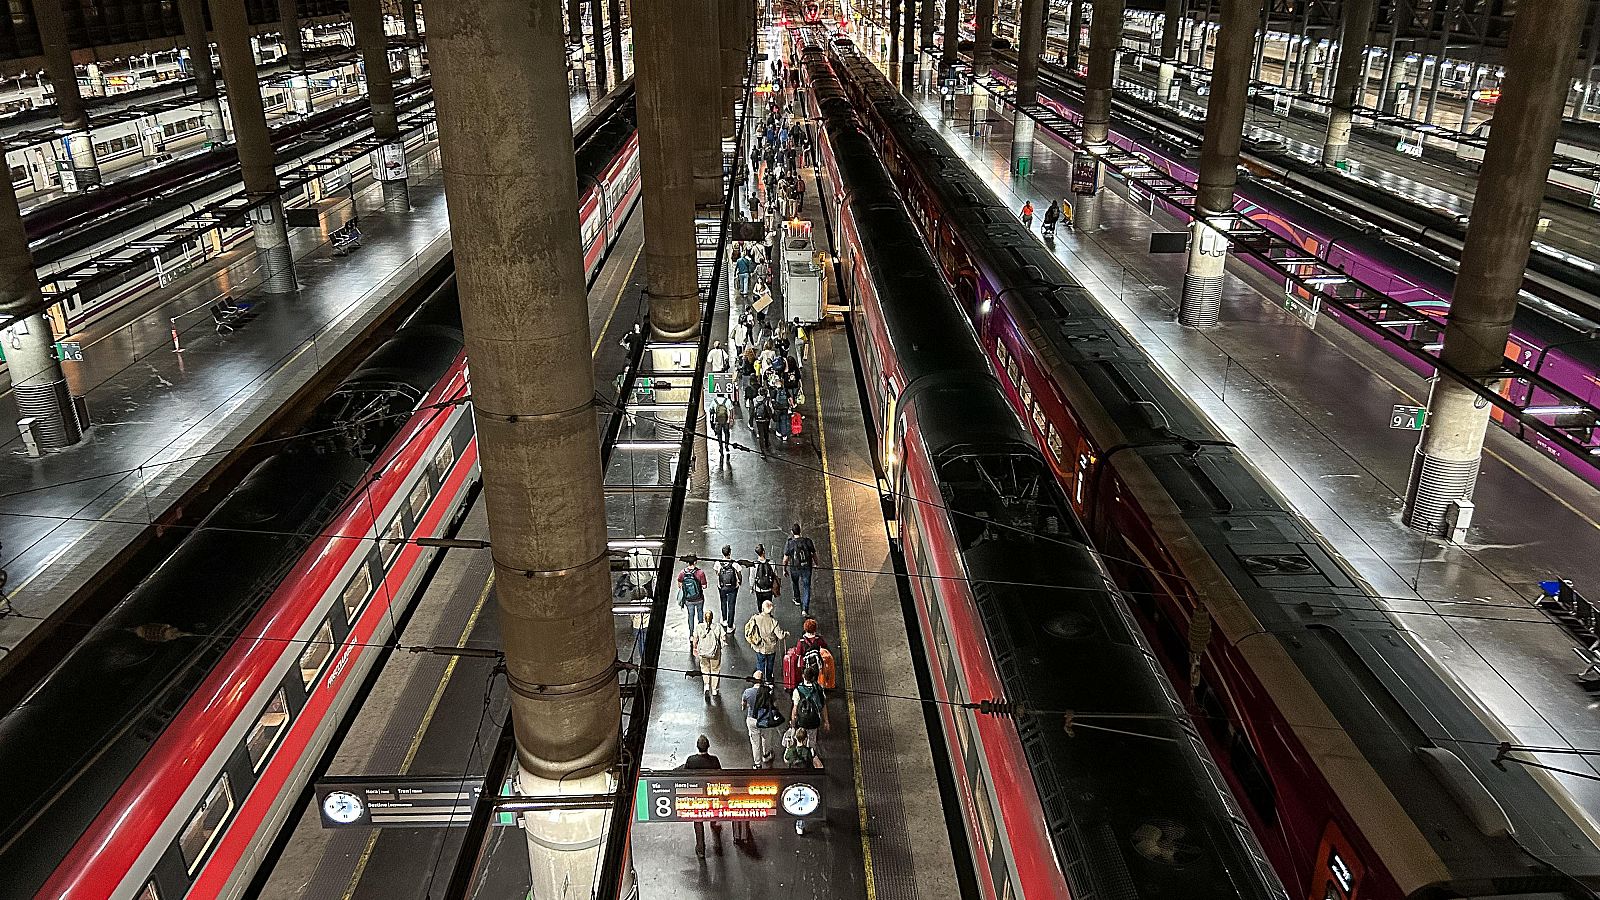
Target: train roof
{"x": 77, "y": 736}
{"x": 1366, "y": 669}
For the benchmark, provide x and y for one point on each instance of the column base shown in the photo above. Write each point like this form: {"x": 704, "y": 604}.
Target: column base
{"x": 1202, "y": 301}
{"x": 49, "y": 404}
{"x": 272, "y": 249}
{"x": 396, "y": 196}
{"x": 1435, "y": 484}
{"x": 1333, "y": 155}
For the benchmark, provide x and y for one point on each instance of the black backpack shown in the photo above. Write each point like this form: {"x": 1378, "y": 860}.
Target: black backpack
{"x": 804, "y": 552}
{"x": 765, "y": 577}
{"x": 808, "y": 708}
{"x": 727, "y": 575}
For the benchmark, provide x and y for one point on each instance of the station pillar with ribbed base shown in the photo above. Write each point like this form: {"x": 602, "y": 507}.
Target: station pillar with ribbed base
{"x": 951, "y": 39}
{"x": 205, "y": 77}
{"x": 505, "y": 134}
{"x": 1219, "y": 163}
{"x": 80, "y": 170}
{"x": 1171, "y": 19}
{"x": 295, "y": 55}
{"x": 408, "y": 15}
{"x": 667, "y": 123}
{"x": 1031, "y": 28}
{"x": 1105, "y": 38}
{"x": 38, "y": 384}
{"x": 389, "y": 160}
{"x": 257, "y": 163}
{"x": 1505, "y": 212}
{"x": 1350, "y": 80}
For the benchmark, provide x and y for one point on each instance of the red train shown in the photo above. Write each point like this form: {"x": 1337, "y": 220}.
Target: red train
{"x": 163, "y": 754}
{"x": 1012, "y": 604}
{"x": 1361, "y": 769}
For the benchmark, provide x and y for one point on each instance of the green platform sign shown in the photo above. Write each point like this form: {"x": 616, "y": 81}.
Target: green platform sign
{"x": 1408, "y": 418}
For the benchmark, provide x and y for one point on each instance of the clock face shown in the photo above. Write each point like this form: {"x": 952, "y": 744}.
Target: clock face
{"x": 342, "y": 807}
{"x": 800, "y": 799}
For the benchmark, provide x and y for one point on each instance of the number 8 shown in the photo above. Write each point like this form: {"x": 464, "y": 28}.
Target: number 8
{"x": 663, "y": 807}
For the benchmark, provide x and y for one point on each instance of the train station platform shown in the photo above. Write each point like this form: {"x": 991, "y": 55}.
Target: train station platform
{"x": 164, "y": 419}
{"x": 881, "y": 829}
{"x": 1312, "y": 407}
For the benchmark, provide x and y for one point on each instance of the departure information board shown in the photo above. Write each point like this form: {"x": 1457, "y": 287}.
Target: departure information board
{"x": 727, "y": 794}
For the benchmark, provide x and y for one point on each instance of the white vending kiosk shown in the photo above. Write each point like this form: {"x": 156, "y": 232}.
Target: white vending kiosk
{"x": 802, "y": 276}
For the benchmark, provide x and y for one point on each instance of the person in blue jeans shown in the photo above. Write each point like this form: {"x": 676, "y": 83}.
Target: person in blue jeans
{"x": 744, "y": 266}
{"x": 692, "y": 593}
{"x": 767, "y": 638}
{"x": 799, "y": 558}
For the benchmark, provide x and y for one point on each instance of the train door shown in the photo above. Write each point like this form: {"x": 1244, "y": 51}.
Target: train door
{"x": 42, "y": 169}
{"x": 889, "y": 441}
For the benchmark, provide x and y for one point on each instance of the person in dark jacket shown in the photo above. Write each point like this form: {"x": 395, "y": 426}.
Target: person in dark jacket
{"x": 704, "y": 760}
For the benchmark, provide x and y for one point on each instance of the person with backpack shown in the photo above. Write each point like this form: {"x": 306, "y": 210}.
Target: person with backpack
{"x": 744, "y": 267}
{"x": 707, "y": 646}
{"x": 761, "y": 718}
{"x": 763, "y": 577}
{"x": 722, "y": 423}
{"x": 766, "y": 637}
{"x": 811, "y": 652}
{"x": 800, "y": 752}
{"x": 799, "y": 559}
{"x": 810, "y": 703}
{"x": 1052, "y": 215}
{"x": 729, "y": 580}
{"x": 802, "y": 340}
{"x": 761, "y": 422}
{"x": 692, "y": 593}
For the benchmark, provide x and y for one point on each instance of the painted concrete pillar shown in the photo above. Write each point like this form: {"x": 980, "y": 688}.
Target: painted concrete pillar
{"x": 505, "y": 133}
{"x": 389, "y": 160}
{"x": 667, "y": 125}
{"x": 1219, "y": 163}
{"x": 1350, "y": 80}
{"x": 1170, "y": 22}
{"x": 983, "y": 38}
{"x": 1505, "y": 211}
{"x": 83, "y": 169}
{"x": 192, "y": 12}
{"x": 257, "y": 163}
{"x": 295, "y": 56}
{"x": 408, "y": 15}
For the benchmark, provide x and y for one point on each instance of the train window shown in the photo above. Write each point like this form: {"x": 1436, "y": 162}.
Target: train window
{"x": 355, "y": 593}
{"x": 985, "y": 812}
{"x": 316, "y": 655}
{"x": 1053, "y": 441}
{"x": 443, "y": 460}
{"x": 206, "y": 824}
{"x": 1027, "y": 396}
{"x": 1038, "y": 419}
{"x": 1007, "y": 892}
{"x": 393, "y": 539}
{"x": 149, "y": 892}
{"x": 268, "y": 728}
{"x": 418, "y": 501}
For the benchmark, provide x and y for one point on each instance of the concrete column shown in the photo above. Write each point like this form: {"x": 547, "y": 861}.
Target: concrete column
{"x": 1350, "y": 82}
{"x": 952, "y": 35}
{"x": 256, "y": 161}
{"x": 891, "y": 22}
{"x": 1398, "y": 70}
{"x": 1031, "y": 25}
{"x": 1105, "y": 36}
{"x": 40, "y": 387}
{"x": 616, "y": 37}
{"x": 389, "y": 160}
{"x": 983, "y": 38}
{"x": 701, "y": 75}
{"x": 295, "y": 56}
{"x": 506, "y": 136}
{"x": 76, "y": 139}
{"x": 1074, "y": 35}
{"x": 1219, "y": 163}
{"x": 597, "y": 29}
{"x": 908, "y": 47}
{"x": 732, "y": 57}
{"x": 929, "y": 12}
{"x": 1169, "y": 50}
{"x": 666, "y": 127}
{"x": 192, "y": 13}
{"x": 408, "y": 14}
{"x": 1505, "y": 211}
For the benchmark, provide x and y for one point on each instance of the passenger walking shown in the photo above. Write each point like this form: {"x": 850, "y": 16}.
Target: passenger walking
{"x": 761, "y": 718}
{"x": 1027, "y": 213}
{"x": 744, "y": 267}
{"x": 766, "y": 637}
{"x": 800, "y": 752}
{"x": 729, "y": 580}
{"x": 802, "y": 340}
{"x": 722, "y": 423}
{"x": 761, "y": 422}
{"x": 810, "y": 703}
{"x": 1052, "y": 215}
{"x": 692, "y": 593}
{"x": 707, "y": 644}
{"x": 704, "y": 760}
{"x": 799, "y": 558}
{"x": 763, "y": 577}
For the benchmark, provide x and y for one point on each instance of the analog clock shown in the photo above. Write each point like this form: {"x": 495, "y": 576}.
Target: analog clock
{"x": 342, "y": 807}
{"x": 800, "y": 799}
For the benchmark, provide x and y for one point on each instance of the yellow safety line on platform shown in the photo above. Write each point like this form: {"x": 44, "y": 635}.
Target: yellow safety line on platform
{"x": 422, "y": 729}
{"x": 844, "y": 629}
{"x": 601, "y": 334}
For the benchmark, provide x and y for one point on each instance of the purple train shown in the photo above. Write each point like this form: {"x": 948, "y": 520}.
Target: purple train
{"x": 1552, "y": 342}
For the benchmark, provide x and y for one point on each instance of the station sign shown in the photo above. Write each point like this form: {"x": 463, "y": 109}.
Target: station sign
{"x": 69, "y": 351}
{"x": 396, "y": 801}
{"x": 727, "y": 795}
{"x": 1408, "y": 418}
